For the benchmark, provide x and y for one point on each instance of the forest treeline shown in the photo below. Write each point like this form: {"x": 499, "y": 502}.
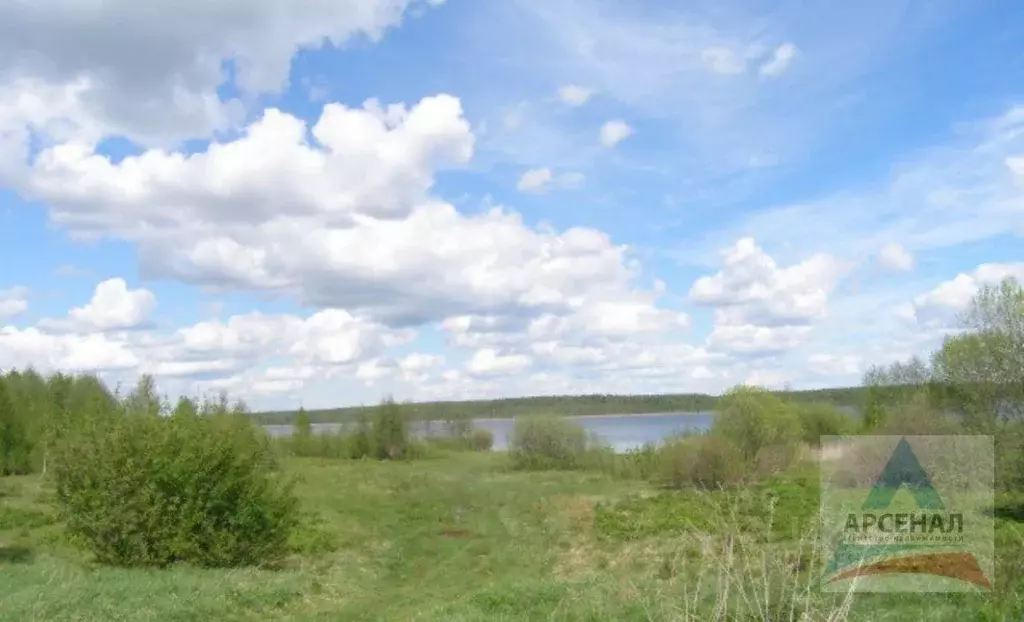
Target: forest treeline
{"x": 854, "y": 398}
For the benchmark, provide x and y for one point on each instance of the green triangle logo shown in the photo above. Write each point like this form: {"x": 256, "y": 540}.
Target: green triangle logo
{"x": 903, "y": 469}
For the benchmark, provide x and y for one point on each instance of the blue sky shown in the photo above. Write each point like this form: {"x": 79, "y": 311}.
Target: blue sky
{"x": 321, "y": 203}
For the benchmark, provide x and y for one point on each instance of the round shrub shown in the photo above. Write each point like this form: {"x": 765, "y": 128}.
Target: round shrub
{"x": 753, "y": 418}
{"x": 719, "y": 463}
{"x": 917, "y": 416}
{"x": 820, "y": 419}
{"x": 707, "y": 462}
{"x": 546, "y": 442}
{"x": 675, "y": 462}
{"x": 482, "y": 439}
{"x": 151, "y": 491}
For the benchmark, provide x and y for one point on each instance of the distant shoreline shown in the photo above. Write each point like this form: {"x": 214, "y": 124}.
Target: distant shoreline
{"x": 607, "y": 416}
{"x": 698, "y": 413}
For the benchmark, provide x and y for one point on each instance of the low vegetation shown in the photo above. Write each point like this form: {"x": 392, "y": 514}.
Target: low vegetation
{"x": 379, "y": 522}
{"x": 547, "y": 442}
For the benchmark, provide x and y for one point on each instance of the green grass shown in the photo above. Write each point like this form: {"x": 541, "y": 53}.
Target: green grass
{"x": 463, "y": 537}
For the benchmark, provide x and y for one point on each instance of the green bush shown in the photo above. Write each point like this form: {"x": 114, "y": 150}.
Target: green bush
{"x": 336, "y": 446}
{"x": 917, "y": 416}
{"x": 776, "y": 459}
{"x": 149, "y": 490}
{"x": 1009, "y": 446}
{"x": 380, "y": 435}
{"x": 15, "y": 445}
{"x": 389, "y": 431}
{"x": 547, "y": 443}
{"x": 706, "y": 462}
{"x": 753, "y": 419}
{"x": 639, "y": 463}
{"x": 482, "y": 439}
{"x": 819, "y": 419}
{"x": 675, "y": 463}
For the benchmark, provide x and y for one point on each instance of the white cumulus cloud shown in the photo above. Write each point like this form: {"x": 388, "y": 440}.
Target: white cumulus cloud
{"x": 115, "y": 307}
{"x": 488, "y": 361}
{"x": 535, "y": 180}
{"x": 614, "y": 132}
{"x": 151, "y": 72}
{"x": 574, "y": 95}
{"x": 723, "y": 60}
{"x": 13, "y": 302}
{"x": 940, "y": 307}
{"x": 781, "y": 59}
{"x": 894, "y": 256}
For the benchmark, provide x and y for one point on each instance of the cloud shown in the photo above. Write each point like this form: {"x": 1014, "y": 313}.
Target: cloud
{"x": 418, "y": 362}
{"x": 341, "y": 214}
{"x": 329, "y": 337}
{"x": 371, "y": 161}
{"x": 13, "y": 302}
{"x": 895, "y": 257}
{"x": 937, "y": 197}
{"x": 152, "y": 74}
{"x": 660, "y": 62}
{"x": 782, "y": 57}
{"x": 114, "y": 307}
{"x": 490, "y": 362}
{"x": 252, "y": 355}
{"x": 571, "y": 180}
{"x": 70, "y": 270}
{"x": 535, "y": 180}
{"x": 540, "y": 180}
{"x": 754, "y": 340}
{"x": 574, "y": 95}
{"x": 68, "y": 352}
{"x": 723, "y": 60}
{"x": 752, "y": 288}
{"x": 614, "y": 132}
{"x": 760, "y": 308}
{"x": 836, "y": 365}
{"x": 940, "y": 307}
{"x": 348, "y": 224}
{"x": 1016, "y": 166}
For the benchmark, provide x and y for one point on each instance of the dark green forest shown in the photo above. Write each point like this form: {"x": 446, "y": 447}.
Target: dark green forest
{"x": 567, "y": 405}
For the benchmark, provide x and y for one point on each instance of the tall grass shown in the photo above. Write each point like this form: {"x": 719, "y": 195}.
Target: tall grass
{"x": 722, "y": 556}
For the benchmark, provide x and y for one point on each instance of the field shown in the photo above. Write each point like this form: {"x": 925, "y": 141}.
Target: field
{"x": 462, "y": 537}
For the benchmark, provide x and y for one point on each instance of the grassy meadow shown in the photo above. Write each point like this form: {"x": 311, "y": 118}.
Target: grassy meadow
{"x": 462, "y": 536}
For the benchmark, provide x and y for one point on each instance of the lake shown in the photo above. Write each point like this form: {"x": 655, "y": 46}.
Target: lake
{"x": 621, "y": 432}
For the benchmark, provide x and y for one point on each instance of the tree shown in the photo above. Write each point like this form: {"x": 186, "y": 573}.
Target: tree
{"x": 820, "y": 419}
{"x": 892, "y": 386}
{"x": 302, "y": 440}
{"x": 755, "y": 419}
{"x": 303, "y": 423}
{"x": 15, "y": 449}
{"x": 982, "y": 371}
{"x": 144, "y": 399}
{"x": 186, "y": 407}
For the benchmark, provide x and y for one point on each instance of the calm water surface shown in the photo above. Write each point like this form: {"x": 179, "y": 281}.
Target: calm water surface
{"x": 619, "y": 431}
